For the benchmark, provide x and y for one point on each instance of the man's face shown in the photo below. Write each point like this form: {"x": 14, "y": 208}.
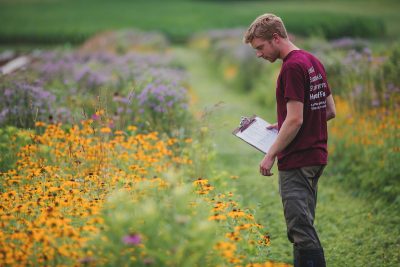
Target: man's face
{"x": 267, "y": 49}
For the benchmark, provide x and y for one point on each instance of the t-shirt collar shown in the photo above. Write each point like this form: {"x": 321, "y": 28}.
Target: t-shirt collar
{"x": 290, "y": 53}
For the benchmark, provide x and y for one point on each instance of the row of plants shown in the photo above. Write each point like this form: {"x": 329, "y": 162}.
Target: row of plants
{"x": 134, "y": 85}
{"x": 365, "y": 83}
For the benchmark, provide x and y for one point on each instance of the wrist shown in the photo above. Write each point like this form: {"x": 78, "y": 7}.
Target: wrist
{"x": 270, "y": 155}
{"x": 272, "y": 151}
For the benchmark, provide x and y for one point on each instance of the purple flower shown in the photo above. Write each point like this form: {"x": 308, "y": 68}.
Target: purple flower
{"x": 132, "y": 239}
{"x": 95, "y": 117}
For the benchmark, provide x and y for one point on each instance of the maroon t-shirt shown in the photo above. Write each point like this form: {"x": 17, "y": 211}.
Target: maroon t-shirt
{"x": 303, "y": 78}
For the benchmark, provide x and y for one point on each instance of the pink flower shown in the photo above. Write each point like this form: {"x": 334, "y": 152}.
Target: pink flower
{"x": 95, "y": 117}
{"x": 132, "y": 239}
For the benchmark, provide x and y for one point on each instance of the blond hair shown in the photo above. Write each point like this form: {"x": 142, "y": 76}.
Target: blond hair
{"x": 264, "y": 27}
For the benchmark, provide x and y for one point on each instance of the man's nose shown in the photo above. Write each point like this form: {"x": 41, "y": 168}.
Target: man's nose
{"x": 258, "y": 54}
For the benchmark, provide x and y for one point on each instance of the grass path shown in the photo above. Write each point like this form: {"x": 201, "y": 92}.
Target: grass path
{"x": 354, "y": 231}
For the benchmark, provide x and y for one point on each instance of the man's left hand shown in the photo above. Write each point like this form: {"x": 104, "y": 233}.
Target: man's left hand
{"x": 266, "y": 165}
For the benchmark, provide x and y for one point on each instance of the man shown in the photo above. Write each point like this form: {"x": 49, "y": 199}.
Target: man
{"x": 304, "y": 105}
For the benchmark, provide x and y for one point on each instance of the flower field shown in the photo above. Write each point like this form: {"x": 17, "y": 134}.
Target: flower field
{"x": 103, "y": 162}
{"x": 91, "y": 195}
{"x": 102, "y": 168}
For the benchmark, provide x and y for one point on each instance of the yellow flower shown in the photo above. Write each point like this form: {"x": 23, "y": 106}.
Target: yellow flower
{"x": 40, "y": 124}
{"x": 217, "y": 217}
{"x": 234, "y": 236}
{"x": 243, "y": 227}
{"x": 230, "y": 72}
{"x": 236, "y": 213}
{"x": 200, "y": 181}
{"x": 100, "y": 112}
{"x": 105, "y": 130}
{"x": 132, "y": 128}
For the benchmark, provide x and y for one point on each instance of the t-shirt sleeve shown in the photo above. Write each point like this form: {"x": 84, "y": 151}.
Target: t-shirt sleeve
{"x": 328, "y": 88}
{"x": 294, "y": 84}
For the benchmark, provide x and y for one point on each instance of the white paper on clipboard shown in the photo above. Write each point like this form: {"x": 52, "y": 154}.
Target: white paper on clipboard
{"x": 255, "y": 133}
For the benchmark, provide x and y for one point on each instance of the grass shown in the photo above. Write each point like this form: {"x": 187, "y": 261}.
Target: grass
{"x": 354, "y": 231}
{"x": 45, "y": 21}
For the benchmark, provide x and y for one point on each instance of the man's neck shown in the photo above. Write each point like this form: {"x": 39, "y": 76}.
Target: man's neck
{"x": 286, "y": 48}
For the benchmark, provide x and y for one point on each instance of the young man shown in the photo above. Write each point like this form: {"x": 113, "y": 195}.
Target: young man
{"x": 304, "y": 105}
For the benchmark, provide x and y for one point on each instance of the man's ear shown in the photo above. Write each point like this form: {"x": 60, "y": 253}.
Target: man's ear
{"x": 275, "y": 37}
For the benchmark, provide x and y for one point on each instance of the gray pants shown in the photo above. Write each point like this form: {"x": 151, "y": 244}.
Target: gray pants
{"x": 298, "y": 189}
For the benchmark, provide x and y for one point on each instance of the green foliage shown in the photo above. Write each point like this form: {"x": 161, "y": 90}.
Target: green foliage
{"x": 202, "y": 148}
{"x": 331, "y": 25}
{"x": 264, "y": 88}
{"x": 171, "y": 225}
{"x": 388, "y": 79}
{"x": 373, "y": 170}
{"x": 11, "y": 140}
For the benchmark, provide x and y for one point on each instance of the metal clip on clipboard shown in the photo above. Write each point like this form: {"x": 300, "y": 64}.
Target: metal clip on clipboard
{"x": 246, "y": 122}
{"x": 257, "y": 135}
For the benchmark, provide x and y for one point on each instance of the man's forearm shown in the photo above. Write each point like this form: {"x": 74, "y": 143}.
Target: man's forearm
{"x": 287, "y": 133}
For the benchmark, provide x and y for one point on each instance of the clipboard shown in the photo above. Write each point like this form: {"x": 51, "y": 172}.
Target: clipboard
{"x": 253, "y": 131}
